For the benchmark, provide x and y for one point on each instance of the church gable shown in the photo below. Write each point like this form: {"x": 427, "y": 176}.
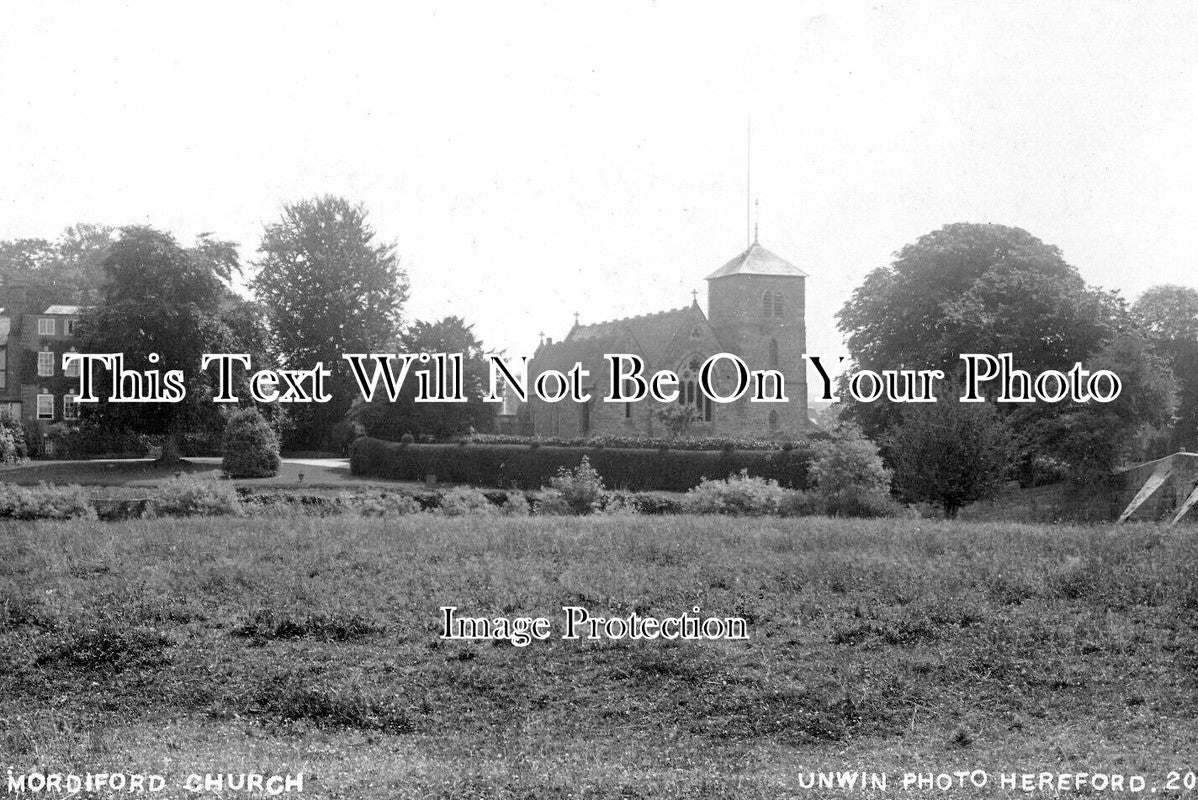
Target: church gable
{"x": 692, "y": 336}
{"x": 653, "y": 333}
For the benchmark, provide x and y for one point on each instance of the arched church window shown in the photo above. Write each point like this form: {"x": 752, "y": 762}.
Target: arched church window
{"x": 696, "y": 333}
{"x": 773, "y": 419}
{"x": 773, "y": 352}
{"x": 767, "y": 304}
{"x": 778, "y": 305}
{"x": 689, "y": 393}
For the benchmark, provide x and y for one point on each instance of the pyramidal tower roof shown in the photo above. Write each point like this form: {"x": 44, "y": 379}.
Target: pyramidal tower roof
{"x": 758, "y": 261}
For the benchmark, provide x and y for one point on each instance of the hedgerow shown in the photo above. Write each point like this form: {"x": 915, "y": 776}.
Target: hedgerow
{"x": 533, "y": 466}
{"x": 644, "y": 442}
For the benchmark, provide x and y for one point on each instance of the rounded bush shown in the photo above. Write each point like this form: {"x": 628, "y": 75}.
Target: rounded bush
{"x": 251, "y": 449}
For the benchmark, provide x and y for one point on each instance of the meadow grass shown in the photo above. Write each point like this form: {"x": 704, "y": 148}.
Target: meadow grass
{"x": 297, "y": 643}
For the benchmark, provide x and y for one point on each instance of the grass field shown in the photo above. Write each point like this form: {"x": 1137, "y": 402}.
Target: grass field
{"x": 287, "y": 645}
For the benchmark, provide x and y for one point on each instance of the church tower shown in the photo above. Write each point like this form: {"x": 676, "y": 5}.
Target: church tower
{"x": 756, "y": 307}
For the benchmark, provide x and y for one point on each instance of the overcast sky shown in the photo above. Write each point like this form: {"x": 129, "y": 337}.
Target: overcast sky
{"x": 532, "y": 160}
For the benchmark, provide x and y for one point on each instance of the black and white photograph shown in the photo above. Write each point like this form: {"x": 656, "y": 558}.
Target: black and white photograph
{"x": 599, "y": 401}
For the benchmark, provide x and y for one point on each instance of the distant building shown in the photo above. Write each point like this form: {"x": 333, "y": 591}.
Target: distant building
{"x": 756, "y": 310}
{"x": 33, "y": 384}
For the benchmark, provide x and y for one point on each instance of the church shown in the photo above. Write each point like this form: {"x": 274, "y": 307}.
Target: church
{"x": 755, "y": 310}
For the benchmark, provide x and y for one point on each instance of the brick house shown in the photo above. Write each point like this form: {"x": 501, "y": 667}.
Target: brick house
{"x": 755, "y": 310}
{"x": 33, "y": 385}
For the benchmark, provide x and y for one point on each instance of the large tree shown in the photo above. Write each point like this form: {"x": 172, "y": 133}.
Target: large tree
{"x": 972, "y": 288}
{"x": 388, "y": 420}
{"x": 949, "y": 453}
{"x": 329, "y": 287}
{"x": 1169, "y": 314}
{"x": 67, "y": 270}
{"x": 160, "y": 298}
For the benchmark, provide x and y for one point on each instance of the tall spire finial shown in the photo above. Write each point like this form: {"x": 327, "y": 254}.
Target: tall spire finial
{"x": 575, "y": 317}
{"x": 748, "y": 177}
{"x": 756, "y": 222}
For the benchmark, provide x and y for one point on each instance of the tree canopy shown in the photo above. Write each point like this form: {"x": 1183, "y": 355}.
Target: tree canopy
{"x": 1170, "y": 315}
{"x": 441, "y": 420}
{"x": 160, "y": 298}
{"x": 329, "y": 287}
{"x": 973, "y": 288}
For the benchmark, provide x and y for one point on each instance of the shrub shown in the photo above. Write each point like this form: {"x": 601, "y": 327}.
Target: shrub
{"x": 529, "y": 466}
{"x": 464, "y": 501}
{"x": 950, "y": 453}
{"x": 515, "y": 505}
{"x": 187, "y": 497}
{"x": 251, "y": 448}
{"x": 550, "y": 503}
{"x": 35, "y": 439}
{"x": 848, "y": 473}
{"x": 391, "y": 504}
{"x": 88, "y": 439}
{"x": 738, "y": 495}
{"x": 580, "y": 488}
{"x": 45, "y": 502}
{"x": 797, "y": 503}
{"x": 859, "y": 502}
{"x": 12, "y": 440}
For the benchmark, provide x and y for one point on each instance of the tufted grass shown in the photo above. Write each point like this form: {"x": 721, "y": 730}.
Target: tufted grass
{"x": 293, "y": 644}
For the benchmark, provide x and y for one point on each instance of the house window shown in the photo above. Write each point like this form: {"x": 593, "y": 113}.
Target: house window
{"x": 10, "y": 410}
{"x": 68, "y": 327}
{"x": 72, "y": 369}
{"x": 45, "y": 326}
{"x": 45, "y": 364}
{"x": 45, "y": 406}
{"x": 70, "y": 409}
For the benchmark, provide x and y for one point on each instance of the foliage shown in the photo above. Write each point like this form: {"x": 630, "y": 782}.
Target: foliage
{"x": 393, "y": 420}
{"x": 678, "y": 418}
{"x": 12, "y": 440}
{"x": 950, "y": 453}
{"x": 45, "y": 502}
{"x": 849, "y": 476}
{"x": 736, "y": 495}
{"x": 466, "y": 501}
{"x": 581, "y": 488}
{"x": 163, "y": 300}
{"x": 648, "y": 443}
{"x": 329, "y": 288}
{"x": 969, "y": 288}
{"x": 389, "y": 504}
{"x": 993, "y": 289}
{"x": 251, "y": 449}
{"x": 1094, "y": 438}
{"x": 1169, "y": 314}
{"x": 67, "y": 270}
{"x": 88, "y": 438}
{"x": 187, "y": 497}
{"x": 527, "y": 467}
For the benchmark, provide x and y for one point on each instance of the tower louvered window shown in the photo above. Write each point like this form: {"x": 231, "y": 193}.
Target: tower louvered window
{"x": 772, "y": 305}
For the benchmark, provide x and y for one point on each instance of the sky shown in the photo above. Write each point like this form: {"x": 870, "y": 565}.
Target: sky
{"x": 533, "y": 160}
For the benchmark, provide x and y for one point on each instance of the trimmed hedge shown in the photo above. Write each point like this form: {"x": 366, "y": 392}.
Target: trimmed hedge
{"x": 652, "y": 443}
{"x": 531, "y": 467}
